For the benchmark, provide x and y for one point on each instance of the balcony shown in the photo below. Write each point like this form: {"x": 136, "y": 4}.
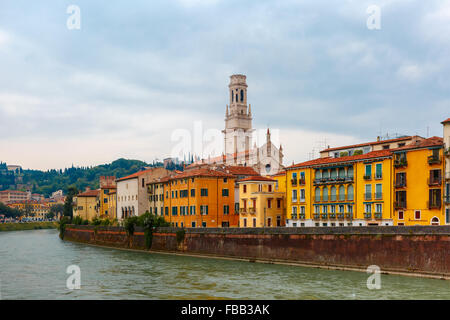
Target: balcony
{"x": 302, "y": 216}
{"x": 302, "y": 182}
{"x": 333, "y": 180}
{"x": 378, "y": 195}
{"x": 252, "y": 210}
{"x": 349, "y": 216}
{"x": 367, "y": 177}
{"x": 294, "y": 216}
{"x": 447, "y": 199}
{"x": 332, "y": 216}
{"x": 378, "y": 215}
{"x": 400, "y": 204}
{"x": 400, "y": 183}
{"x": 367, "y": 196}
{"x": 378, "y": 176}
{"x": 367, "y": 215}
{"x": 294, "y": 182}
{"x": 398, "y": 163}
{"x": 435, "y": 181}
{"x": 324, "y": 216}
{"x": 434, "y": 204}
{"x": 434, "y": 160}
{"x": 243, "y": 210}
{"x": 316, "y": 216}
{"x": 341, "y": 216}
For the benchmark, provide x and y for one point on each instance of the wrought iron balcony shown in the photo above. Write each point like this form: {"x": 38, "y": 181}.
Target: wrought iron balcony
{"x": 349, "y": 215}
{"x": 400, "y": 204}
{"x": 378, "y": 215}
{"x": 367, "y": 177}
{"x": 316, "y": 216}
{"x": 252, "y": 210}
{"x": 302, "y": 216}
{"x": 367, "y": 215}
{"x": 434, "y": 160}
{"x": 243, "y": 210}
{"x": 378, "y": 176}
{"x": 332, "y": 216}
{"x": 324, "y": 216}
{"x": 435, "y": 181}
{"x": 294, "y": 216}
{"x": 434, "y": 204}
{"x": 340, "y": 216}
{"x": 400, "y": 183}
{"x": 400, "y": 163}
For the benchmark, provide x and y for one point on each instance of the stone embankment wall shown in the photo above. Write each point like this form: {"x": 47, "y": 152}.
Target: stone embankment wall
{"x": 416, "y": 250}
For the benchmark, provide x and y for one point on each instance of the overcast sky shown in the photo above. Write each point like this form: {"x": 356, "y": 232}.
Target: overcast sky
{"x": 137, "y": 71}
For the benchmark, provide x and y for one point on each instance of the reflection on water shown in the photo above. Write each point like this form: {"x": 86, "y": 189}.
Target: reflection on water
{"x": 33, "y": 266}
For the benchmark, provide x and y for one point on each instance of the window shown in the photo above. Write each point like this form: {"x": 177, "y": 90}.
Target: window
{"x": 368, "y": 208}
{"x": 192, "y": 192}
{"x": 378, "y": 171}
{"x": 341, "y": 193}
{"x": 204, "y": 224}
{"x": 368, "y": 172}
{"x": 368, "y": 194}
{"x": 269, "y": 187}
{"x": 167, "y": 211}
{"x": 302, "y": 195}
{"x": 204, "y": 210}
{"x": 245, "y": 222}
{"x": 193, "y": 224}
{"x": 244, "y": 187}
{"x": 226, "y": 209}
{"x": 316, "y": 209}
{"x": 204, "y": 192}
{"x": 378, "y": 208}
{"x": 325, "y": 209}
{"x": 294, "y": 195}
{"x": 269, "y": 203}
{"x": 278, "y": 203}
{"x": 350, "y": 192}
{"x": 333, "y": 209}
{"x": 447, "y": 216}
{"x": 143, "y": 183}
{"x": 224, "y": 192}
{"x": 294, "y": 212}
{"x": 417, "y": 214}
{"x": 317, "y": 194}
{"x": 378, "y": 191}
{"x": 242, "y": 95}
{"x": 254, "y": 222}
{"x": 105, "y": 200}
{"x": 236, "y": 207}
{"x": 225, "y": 180}
{"x": 350, "y": 208}
{"x": 386, "y": 147}
{"x": 269, "y": 222}
{"x": 341, "y": 208}
{"x": 174, "y": 211}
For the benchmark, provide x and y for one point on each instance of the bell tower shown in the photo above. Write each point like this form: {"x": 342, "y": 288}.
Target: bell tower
{"x": 238, "y": 117}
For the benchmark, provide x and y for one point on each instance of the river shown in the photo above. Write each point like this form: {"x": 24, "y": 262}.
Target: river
{"x": 33, "y": 266}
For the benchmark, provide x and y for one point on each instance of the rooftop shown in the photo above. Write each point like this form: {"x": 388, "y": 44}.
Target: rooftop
{"x": 370, "y": 143}
{"x": 89, "y": 193}
{"x": 257, "y": 178}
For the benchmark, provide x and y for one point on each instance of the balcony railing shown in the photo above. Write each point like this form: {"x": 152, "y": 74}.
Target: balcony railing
{"x": 316, "y": 216}
{"x": 301, "y": 182}
{"x": 400, "y": 163}
{"x": 324, "y": 216}
{"x": 447, "y": 199}
{"x": 378, "y": 176}
{"x": 294, "y": 216}
{"x": 367, "y": 176}
{"x": 434, "y": 204}
{"x": 378, "y": 215}
{"x": 367, "y": 196}
{"x": 341, "y": 216}
{"x": 400, "y": 204}
{"x": 434, "y": 160}
{"x": 252, "y": 210}
{"x": 332, "y": 216}
{"x": 434, "y": 181}
{"x": 243, "y": 210}
{"x": 400, "y": 183}
{"x": 349, "y": 215}
{"x": 294, "y": 182}
{"x": 302, "y": 216}
{"x": 367, "y": 215}
{"x": 378, "y": 195}
{"x": 333, "y": 180}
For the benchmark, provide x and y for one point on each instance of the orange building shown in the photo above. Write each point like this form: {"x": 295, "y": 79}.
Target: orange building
{"x": 200, "y": 198}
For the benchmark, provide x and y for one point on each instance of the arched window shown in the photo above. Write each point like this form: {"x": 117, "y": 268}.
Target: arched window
{"x": 350, "y": 172}
{"x": 237, "y": 97}
{"x": 242, "y": 95}
{"x": 325, "y": 174}
{"x": 341, "y": 193}
{"x": 325, "y": 194}
{"x": 350, "y": 192}
{"x": 333, "y": 193}
{"x": 333, "y": 174}
{"x": 341, "y": 173}
{"x": 317, "y": 195}
{"x": 435, "y": 221}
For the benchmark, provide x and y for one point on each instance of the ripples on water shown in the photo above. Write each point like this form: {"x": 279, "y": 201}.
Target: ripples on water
{"x": 33, "y": 266}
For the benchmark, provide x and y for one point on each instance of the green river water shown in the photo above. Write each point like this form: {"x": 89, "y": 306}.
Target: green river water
{"x": 33, "y": 266}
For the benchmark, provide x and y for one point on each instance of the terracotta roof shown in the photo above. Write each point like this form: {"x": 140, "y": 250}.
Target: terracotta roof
{"x": 257, "y": 178}
{"x": 446, "y": 121}
{"x": 281, "y": 173}
{"x": 203, "y": 172}
{"x": 369, "y": 143}
{"x": 426, "y": 143}
{"x": 89, "y": 193}
{"x": 330, "y": 160}
{"x": 135, "y": 175}
{"x": 6, "y": 191}
{"x": 240, "y": 170}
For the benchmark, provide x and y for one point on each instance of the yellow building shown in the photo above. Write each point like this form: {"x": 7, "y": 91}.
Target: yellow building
{"x": 343, "y": 191}
{"x": 260, "y": 205}
{"x": 155, "y": 191}
{"x": 106, "y": 201}
{"x": 86, "y": 205}
{"x": 31, "y": 209}
{"x": 446, "y": 126}
{"x": 419, "y": 183}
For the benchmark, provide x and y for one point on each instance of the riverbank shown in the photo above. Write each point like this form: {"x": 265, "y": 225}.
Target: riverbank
{"x": 28, "y": 226}
{"x": 416, "y": 251}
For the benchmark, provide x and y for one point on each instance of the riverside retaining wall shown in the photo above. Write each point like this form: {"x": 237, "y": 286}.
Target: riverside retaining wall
{"x": 416, "y": 250}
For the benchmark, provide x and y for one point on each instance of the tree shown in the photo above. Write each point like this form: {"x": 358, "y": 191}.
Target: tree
{"x": 68, "y": 210}
{"x": 56, "y": 210}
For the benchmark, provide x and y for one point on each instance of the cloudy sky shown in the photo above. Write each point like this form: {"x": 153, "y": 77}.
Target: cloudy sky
{"x": 138, "y": 71}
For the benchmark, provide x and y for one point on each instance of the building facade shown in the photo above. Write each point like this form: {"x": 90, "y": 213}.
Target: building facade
{"x": 86, "y": 205}
{"x": 200, "y": 198}
{"x": 259, "y": 204}
{"x": 8, "y": 196}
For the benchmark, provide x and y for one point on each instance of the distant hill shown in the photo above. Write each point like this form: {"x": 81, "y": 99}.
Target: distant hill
{"x": 46, "y": 182}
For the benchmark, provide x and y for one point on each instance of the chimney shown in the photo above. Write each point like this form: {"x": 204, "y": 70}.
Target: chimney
{"x": 378, "y": 139}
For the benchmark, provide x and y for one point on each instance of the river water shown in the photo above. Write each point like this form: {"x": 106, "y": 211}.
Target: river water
{"x": 33, "y": 266}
